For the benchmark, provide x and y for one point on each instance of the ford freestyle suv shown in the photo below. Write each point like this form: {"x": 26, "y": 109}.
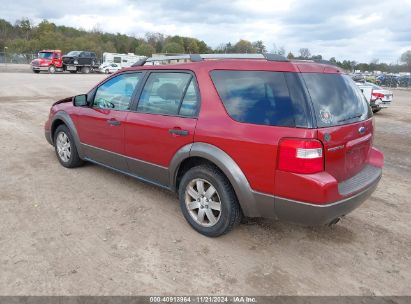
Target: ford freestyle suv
{"x": 254, "y": 136}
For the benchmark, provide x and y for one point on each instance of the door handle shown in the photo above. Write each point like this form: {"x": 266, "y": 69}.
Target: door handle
{"x": 178, "y": 132}
{"x": 113, "y": 122}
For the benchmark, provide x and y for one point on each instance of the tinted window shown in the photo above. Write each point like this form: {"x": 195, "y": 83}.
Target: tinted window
{"x": 74, "y": 53}
{"x": 189, "y": 105}
{"x": 163, "y": 93}
{"x": 336, "y": 99}
{"x": 45, "y": 55}
{"x": 116, "y": 93}
{"x": 255, "y": 97}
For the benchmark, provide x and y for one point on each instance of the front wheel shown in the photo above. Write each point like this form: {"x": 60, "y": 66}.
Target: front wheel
{"x": 52, "y": 69}
{"x": 65, "y": 148}
{"x": 208, "y": 201}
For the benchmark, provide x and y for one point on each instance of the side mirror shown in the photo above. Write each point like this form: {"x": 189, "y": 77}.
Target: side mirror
{"x": 80, "y": 100}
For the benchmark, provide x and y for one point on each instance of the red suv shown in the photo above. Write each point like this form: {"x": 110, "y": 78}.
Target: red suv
{"x": 255, "y": 137}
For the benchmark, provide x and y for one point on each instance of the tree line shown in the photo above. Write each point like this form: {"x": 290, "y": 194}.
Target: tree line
{"x": 23, "y": 37}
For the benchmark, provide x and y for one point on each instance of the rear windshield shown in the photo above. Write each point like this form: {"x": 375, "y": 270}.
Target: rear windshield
{"x": 261, "y": 98}
{"x": 336, "y": 99}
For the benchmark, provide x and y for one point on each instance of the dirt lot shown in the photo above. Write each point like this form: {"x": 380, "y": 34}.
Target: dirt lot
{"x": 91, "y": 231}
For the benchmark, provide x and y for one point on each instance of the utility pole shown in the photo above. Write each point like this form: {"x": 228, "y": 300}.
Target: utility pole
{"x": 5, "y": 56}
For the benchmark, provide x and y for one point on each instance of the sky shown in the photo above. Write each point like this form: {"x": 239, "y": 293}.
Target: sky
{"x": 345, "y": 29}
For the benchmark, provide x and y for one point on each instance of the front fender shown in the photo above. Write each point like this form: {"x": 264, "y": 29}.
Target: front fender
{"x": 66, "y": 119}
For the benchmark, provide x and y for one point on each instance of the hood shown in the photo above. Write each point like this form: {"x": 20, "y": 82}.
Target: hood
{"x": 67, "y": 99}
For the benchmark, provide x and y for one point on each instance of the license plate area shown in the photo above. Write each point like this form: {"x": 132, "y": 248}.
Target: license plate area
{"x": 71, "y": 68}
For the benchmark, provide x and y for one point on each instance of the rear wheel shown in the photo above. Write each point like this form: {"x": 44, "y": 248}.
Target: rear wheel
{"x": 107, "y": 71}
{"x": 208, "y": 201}
{"x": 375, "y": 110}
{"x": 65, "y": 148}
{"x": 73, "y": 72}
{"x": 85, "y": 70}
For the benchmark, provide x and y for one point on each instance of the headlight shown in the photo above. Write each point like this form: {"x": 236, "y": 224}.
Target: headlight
{"x": 75, "y": 61}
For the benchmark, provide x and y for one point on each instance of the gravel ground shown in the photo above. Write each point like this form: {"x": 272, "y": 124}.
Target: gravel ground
{"x": 91, "y": 231}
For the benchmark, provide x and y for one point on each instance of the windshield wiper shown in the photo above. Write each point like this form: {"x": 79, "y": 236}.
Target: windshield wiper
{"x": 351, "y": 117}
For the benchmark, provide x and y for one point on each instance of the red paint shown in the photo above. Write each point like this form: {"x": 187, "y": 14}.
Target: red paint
{"x": 253, "y": 147}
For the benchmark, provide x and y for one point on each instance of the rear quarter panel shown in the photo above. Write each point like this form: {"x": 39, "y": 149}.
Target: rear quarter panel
{"x": 252, "y": 147}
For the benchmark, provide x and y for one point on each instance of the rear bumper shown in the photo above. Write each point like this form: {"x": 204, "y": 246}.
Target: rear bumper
{"x": 354, "y": 192}
{"x": 313, "y": 215}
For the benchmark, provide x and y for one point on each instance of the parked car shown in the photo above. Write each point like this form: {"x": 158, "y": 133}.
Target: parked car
{"x": 378, "y": 97}
{"x": 48, "y": 61}
{"x": 80, "y": 61}
{"x": 388, "y": 80}
{"x": 357, "y": 77}
{"x": 261, "y": 137}
{"x": 404, "y": 81}
{"x": 109, "y": 68}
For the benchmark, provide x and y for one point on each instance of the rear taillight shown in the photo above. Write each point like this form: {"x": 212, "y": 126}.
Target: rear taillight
{"x": 376, "y": 95}
{"x": 301, "y": 156}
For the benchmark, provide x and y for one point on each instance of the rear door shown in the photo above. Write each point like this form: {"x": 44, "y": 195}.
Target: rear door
{"x": 101, "y": 126}
{"x": 163, "y": 121}
{"x": 343, "y": 118}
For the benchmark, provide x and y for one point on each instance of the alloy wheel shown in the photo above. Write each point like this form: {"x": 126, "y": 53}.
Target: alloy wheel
{"x": 63, "y": 147}
{"x": 203, "y": 202}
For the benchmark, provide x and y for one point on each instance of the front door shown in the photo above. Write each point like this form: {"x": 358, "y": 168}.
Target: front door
{"x": 164, "y": 121}
{"x": 101, "y": 126}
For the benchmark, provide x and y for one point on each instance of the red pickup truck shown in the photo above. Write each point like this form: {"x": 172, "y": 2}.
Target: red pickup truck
{"x": 48, "y": 60}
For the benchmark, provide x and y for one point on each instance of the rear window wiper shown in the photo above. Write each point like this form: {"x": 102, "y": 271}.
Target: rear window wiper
{"x": 351, "y": 117}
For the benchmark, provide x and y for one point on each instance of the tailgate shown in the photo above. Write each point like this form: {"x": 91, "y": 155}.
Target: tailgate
{"x": 346, "y": 148}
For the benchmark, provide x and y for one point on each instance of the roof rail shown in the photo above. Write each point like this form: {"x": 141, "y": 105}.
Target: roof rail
{"x": 322, "y": 61}
{"x": 201, "y": 57}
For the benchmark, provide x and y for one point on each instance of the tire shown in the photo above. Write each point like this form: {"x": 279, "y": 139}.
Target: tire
{"x": 85, "y": 70}
{"x": 73, "y": 72}
{"x": 214, "y": 222}
{"x": 66, "y": 154}
{"x": 376, "y": 110}
{"x": 52, "y": 69}
{"x": 107, "y": 71}
{"x": 36, "y": 71}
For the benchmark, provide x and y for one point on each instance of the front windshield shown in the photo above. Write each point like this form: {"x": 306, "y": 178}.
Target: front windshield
{"x": 74, "y": 53}
{"x": 45, "y": 55}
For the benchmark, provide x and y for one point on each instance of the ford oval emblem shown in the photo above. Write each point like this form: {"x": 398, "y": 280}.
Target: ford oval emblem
{"x": 361, "y": 130}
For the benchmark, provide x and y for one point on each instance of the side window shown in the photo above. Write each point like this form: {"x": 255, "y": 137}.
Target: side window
{"x": 116, "y": 93}
{"x": 189, "y": 105}
{"x": 117, "y": 59}
{"x": 163, "y": 93}
{"x": 255, "y": 97}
